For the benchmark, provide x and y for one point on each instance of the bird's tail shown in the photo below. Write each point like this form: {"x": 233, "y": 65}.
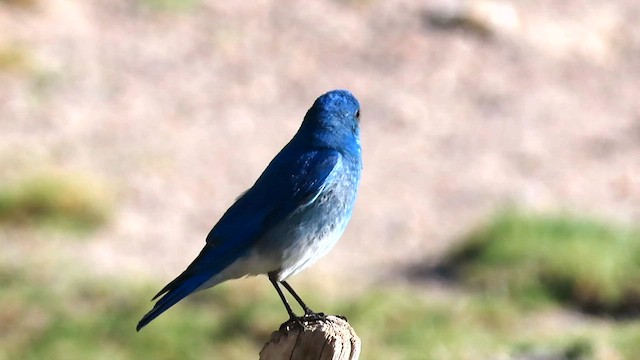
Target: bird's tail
{"x": 175, "y": 291}
{"x": 209, "y": 262}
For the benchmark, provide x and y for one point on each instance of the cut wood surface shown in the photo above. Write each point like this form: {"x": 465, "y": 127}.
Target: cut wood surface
{"x": 329, "y": 339}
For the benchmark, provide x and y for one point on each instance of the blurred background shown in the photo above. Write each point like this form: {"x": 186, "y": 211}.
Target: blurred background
{"x": 497, "y": 217}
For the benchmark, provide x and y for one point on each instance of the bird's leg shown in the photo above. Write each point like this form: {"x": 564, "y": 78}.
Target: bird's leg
{"x": 273, "y": 280}
{"x": 308, "y": 313}
{"x": 304, "y": 306}
{"x": 293, "y": 319}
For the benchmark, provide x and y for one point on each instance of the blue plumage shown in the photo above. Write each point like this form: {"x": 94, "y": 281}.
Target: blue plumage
{"x": 293, "y": 214}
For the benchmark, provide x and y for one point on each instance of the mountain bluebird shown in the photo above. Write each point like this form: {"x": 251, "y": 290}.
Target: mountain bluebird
{"x": 293, "y": 214}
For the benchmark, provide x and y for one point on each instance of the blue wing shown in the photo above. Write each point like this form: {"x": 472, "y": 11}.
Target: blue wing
{"x": 292, "y": 179}
{"x": 286, "y": 184}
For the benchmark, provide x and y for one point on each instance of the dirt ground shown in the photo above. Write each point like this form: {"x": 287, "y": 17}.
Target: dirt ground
{"x": 467, "y": 107}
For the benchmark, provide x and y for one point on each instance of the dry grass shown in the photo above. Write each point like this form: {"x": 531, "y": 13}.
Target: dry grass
{"x": 69, "y": 201}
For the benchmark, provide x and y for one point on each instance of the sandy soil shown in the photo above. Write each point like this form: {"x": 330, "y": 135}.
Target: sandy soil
{"x": 179, "y": 110}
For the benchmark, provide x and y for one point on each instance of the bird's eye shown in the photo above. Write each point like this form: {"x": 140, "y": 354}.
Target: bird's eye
{"x": 358, "y": 114}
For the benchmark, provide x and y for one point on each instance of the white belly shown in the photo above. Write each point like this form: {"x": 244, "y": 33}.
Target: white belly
{"x": 297, "y": 258}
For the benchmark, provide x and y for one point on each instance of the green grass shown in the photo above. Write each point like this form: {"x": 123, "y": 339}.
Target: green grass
{"x": 16, "y": 59}
{"x": 21, "y": 3}
{"x": 65, "y": 201}
{"x": 55, "y": 309}
{"x": 20, "y": 60}
{"x": 170, "y": 5}
{"x": 63, "y": 313}
{"x": 580, "y": 262}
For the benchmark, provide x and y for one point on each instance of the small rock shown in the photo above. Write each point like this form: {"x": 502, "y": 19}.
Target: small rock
{"x": 483, "y": 17}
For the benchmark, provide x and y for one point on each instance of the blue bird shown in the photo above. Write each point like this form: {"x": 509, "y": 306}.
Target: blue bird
{"x": 294, "y": 213}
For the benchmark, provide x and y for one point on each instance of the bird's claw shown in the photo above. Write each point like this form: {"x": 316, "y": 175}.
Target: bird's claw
{"x": 300, "y": 321}
{"x": 314, "y": 316}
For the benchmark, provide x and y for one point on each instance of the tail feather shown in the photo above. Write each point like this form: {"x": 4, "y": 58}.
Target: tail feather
{"x": 208, "y": 263}
{"x": 175, "y": 291}
{"x": 170, "y": 285}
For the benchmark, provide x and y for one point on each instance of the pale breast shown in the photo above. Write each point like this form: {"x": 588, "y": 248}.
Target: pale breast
{"x": 313, "y": 230}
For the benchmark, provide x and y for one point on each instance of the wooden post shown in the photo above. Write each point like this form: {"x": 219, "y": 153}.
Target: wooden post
{"x": 330, "y": 339}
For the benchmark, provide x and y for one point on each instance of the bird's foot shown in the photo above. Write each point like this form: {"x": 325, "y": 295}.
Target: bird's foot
{"x": 313, "y": 316}
{"x": 300, "y": 321}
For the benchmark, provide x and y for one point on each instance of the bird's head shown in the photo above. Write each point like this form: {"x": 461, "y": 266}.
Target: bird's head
{"x": 334, "y": 118}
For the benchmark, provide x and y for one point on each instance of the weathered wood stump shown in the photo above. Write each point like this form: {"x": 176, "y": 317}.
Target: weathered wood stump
{"x": 329, "y": 339}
